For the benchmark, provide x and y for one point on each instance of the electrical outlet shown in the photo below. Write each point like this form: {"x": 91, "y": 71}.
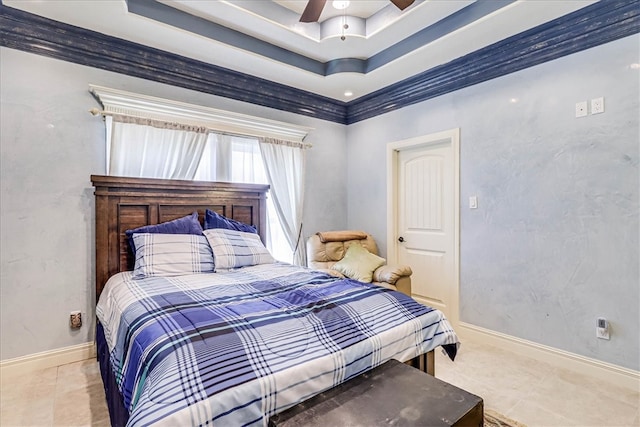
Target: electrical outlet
{"x": 581, "y": 109}
{"x": 602, "y": 328}
{"x": 75, "y": 319}
{"x": 597, "y": 105}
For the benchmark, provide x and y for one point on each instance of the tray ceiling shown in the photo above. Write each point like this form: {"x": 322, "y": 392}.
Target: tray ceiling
{"x": 265, "y": 39}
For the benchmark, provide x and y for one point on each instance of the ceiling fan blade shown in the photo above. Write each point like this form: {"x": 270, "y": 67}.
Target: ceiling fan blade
{"x": 402, "y": 4}
{"x": 312, "y": 11}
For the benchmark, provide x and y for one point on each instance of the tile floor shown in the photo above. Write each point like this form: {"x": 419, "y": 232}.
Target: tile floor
{"x": 524, "y": 389}
{"x": 68, "y": 395}
{"x": 536, "y": 393}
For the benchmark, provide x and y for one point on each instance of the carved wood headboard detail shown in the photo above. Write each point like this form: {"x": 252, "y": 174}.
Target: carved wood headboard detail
{"x": 126, "y": 203}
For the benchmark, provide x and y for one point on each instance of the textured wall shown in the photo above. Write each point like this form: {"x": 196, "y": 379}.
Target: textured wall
{"x": 555, "y": 241}
{"x": 50, "y": 146}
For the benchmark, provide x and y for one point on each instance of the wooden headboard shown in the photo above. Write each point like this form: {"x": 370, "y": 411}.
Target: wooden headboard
{"x": 126, "y": 203}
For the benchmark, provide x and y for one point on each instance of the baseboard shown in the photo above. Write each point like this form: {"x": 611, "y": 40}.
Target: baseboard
{"x": 47, "y": 359}
{"x": 611, "y": 373}
{"x": 614, "y": 374}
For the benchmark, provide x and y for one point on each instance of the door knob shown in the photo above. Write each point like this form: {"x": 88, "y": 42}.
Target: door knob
{"x": 400, "y": 239}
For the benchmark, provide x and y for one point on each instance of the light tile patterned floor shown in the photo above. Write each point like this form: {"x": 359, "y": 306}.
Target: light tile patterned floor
{"x": 524, "y": 389}
{"x": 69, "y": 395}
{"x": 536, "y": 393}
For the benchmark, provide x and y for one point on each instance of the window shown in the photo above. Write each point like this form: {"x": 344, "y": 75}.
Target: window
{"x": 246, "y": 166}
{"x": 186, "y": 141}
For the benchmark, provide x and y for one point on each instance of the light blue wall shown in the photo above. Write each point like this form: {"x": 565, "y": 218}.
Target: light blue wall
{"x": 555, "y": 241}
{"x": 50, "y": 145}
{"x": 553, "y": 245}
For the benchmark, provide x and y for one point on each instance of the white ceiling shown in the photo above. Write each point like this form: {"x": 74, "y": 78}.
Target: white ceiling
{"x": 382, "y": 26}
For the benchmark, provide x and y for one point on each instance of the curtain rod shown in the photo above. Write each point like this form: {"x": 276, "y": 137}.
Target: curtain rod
{"x": 96, "y": 112}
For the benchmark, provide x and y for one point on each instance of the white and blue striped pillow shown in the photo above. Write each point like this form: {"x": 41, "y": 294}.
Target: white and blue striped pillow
{"x": 171, "y": 255}
{"x": 233, "y": 249}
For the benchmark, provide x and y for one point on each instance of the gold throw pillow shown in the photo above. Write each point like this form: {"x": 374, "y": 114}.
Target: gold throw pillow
{"x": 358, "y": 263}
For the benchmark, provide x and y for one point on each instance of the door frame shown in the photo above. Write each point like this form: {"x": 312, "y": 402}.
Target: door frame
{"x": 451, "y": 136}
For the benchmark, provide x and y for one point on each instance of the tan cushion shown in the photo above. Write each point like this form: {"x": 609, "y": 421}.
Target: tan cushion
{"x": 391, "y": 274}
{"x": 341, "y": 236}
{"x": 358, "y": 263}
{"x": 324, "y": 255}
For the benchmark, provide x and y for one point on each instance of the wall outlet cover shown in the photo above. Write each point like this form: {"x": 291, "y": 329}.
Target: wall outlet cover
{"x": 602, "y": 328}
{"x": 597, "y": 105}
{"x": 603, "y": 334}
{"x": 75, "y": 320}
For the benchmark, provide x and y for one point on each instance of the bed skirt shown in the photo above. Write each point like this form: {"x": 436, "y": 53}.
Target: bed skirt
{"x": 117, "y": 412}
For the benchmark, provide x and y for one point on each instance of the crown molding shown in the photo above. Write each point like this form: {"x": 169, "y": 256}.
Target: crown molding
{"x": 332, "y": 27}
{"x": 590, "y": 26}
{"x": 35, "y": 34}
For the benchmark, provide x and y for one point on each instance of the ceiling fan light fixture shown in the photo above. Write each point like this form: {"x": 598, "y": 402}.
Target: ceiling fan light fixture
{"x": 313, "y": 10}
{"x": 340, "y": 4}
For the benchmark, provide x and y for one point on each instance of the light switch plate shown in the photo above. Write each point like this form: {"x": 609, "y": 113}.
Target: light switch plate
{"x": 473, "y": 202}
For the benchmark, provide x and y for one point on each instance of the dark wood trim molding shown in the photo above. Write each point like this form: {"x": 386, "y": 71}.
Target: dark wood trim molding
{"x": 599, "y": 23}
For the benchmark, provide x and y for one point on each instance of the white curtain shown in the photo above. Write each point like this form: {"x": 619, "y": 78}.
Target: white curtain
{"x": 152, "y": 149}
{"x": 284, "y": 164}
{"x": 231, "y": 159}
{"x": 238, "y": 159}
{"x": 216, "y": 159}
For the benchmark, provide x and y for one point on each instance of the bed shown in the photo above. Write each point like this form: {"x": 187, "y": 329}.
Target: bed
{"x": 230, "y": 344}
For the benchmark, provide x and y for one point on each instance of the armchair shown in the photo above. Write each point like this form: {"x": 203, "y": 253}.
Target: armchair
{"x": 324, "y": 249}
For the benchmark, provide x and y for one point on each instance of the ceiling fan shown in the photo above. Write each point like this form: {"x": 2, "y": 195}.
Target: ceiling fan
{"x": 314, "y": 9}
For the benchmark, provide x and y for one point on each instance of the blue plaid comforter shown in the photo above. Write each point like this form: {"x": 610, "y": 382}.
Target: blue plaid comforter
{"x": 237, "y": 347}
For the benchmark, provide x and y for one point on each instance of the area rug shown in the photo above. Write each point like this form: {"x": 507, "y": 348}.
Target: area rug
{"x": 494, "y": 419}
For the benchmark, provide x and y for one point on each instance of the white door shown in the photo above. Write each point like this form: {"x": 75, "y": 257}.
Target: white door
{"x": 426, "y": 219}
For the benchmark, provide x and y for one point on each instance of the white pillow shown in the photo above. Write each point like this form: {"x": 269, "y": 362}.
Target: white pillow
{"x": 171, "y": 255}
{"x": 232, "y": 249}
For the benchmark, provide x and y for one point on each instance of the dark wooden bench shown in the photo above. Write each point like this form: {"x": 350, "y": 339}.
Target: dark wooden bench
{"x": 392, "y": 394}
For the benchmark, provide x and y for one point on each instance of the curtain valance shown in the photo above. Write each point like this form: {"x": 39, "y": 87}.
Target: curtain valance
{"x": 127, "y": 104}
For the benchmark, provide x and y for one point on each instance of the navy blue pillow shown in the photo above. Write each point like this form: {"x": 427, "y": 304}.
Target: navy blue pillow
{"x": 186, "y": 225}
{"x": 215, "y": 220}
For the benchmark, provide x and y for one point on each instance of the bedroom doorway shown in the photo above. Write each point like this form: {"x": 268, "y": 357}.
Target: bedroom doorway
{"x": 423, "y": 216}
